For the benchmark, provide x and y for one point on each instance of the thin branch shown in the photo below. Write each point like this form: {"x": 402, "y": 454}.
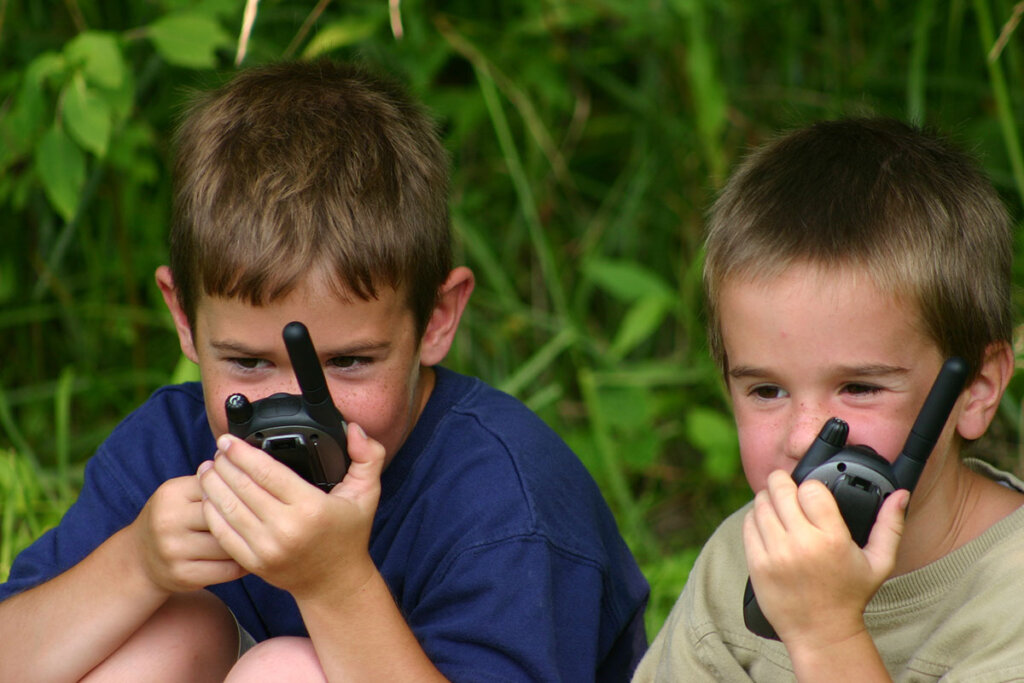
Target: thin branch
{"x": 248, "y": 19}
{"x": 395, "y": 11}
{"x": 1008, "y": 28}
{"x": 306, "y": 26}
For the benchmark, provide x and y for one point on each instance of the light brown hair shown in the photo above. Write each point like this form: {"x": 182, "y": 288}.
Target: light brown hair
{"x": 900, "y": 203}
{"x": 309, "y": 168}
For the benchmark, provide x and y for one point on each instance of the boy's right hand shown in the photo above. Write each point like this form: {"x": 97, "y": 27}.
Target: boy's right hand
{"x": 177, "y": 551}
{"x": 812, "y": 581}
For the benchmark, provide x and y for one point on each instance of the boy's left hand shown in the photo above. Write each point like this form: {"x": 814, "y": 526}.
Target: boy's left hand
{"x": 811, "y": 580}
{"x": 284, "y": 529}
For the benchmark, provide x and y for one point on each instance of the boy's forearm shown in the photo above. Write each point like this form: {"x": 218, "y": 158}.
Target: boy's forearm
{"x": 62, "y": 629}
{"x": 363, "y": 636}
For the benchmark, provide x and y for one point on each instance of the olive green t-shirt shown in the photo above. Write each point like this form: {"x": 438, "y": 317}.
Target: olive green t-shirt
{"x": 960, "y": 618}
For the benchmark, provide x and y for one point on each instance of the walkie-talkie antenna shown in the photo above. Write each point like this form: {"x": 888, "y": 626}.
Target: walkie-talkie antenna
{"x": 305, "y": 363}
{"x": 830, "y": 439}
{"x": 930, "y": 422}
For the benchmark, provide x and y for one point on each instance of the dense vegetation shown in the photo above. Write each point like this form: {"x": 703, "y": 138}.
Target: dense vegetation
{"x": 587, "y": 138}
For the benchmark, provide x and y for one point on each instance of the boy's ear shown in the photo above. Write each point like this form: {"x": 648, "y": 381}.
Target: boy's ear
{"x": 444, "y": 321}
{"x": 985, "y": 392}
{"x": 165, "y": 281}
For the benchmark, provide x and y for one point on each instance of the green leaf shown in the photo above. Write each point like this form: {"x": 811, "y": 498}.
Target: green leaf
{"x": 60, "y": 164}
{"x": 87, "y": 116}
{"x": 338, "y": 35}
{"x": 188, "y": 39}
{"x": 44, "y": 67}
{"x": 626, "y": 280}
{"x": 641, "y": 321}
{"x": 714, "y": 434}
{"x": 100, "y": 57}
{"x": 184, "y": 371}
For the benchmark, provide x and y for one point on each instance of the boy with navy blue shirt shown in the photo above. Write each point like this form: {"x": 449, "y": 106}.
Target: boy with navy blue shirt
{"x": 466, "y": 541}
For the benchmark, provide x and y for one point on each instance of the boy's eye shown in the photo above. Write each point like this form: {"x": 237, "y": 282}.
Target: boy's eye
{"x": 861, "y": 389}
{"x": 249, "y": 363}
{"x": 347, "y": 361}
{"x": 768, "y": 392}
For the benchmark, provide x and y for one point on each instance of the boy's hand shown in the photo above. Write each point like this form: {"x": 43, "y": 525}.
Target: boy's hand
{"x": 812, "y": 581}
{"x": 287, "y": 531}
{"x": 178, "y": 551}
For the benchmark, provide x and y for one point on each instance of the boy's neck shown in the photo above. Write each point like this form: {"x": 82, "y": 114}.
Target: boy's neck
{"x": 953, "y": 512}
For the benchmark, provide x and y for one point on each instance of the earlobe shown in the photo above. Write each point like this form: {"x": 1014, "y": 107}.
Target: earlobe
{"x": 985, "y": 392}
{"x": 165, "y": 281}
{"x": 444, "y": 321}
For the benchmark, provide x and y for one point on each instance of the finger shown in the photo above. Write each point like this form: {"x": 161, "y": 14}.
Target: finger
{"x": 210, "y": 572}
{"x": 192, "y": 517}
{"x": 263, "y": 475}
{"x": 221, "y": 497}
{"x": 820, "y": 508}
{"x": 753, "y": 544}
{"x": 367, "y": 456}
{"x": 887, "y": 533}
{"x": 766, "y": 521}
{"x": 204, "y": 546}
{"x": 237, "y": 465}
{"x": 227, "y": 537}
{"x": 783, "y": 493}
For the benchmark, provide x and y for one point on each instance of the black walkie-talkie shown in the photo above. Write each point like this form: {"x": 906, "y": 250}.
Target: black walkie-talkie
{"x": 306, "y": 431}
{"x": 861, "y": 479}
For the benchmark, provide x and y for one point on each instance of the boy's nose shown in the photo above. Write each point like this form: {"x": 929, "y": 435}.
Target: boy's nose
{"x": 806, "y": 424}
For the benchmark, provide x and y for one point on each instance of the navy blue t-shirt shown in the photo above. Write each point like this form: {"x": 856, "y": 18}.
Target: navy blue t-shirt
{"x": 494, "y": 540}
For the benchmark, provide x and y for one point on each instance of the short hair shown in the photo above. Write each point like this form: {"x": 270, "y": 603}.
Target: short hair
{"x": 897, "y": 201}
{"x": 300, "y": 168}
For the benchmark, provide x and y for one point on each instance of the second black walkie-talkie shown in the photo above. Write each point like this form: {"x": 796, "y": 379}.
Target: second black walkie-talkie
{"x": 861, "y": 479}
{"x": 306, "y": 431}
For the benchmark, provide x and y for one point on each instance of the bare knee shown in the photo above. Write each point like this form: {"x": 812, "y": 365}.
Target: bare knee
{"x": 286, "y": 658}
{"x": 192, "y": 637}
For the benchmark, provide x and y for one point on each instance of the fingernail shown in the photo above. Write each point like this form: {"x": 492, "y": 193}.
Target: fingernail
{"x": 359, "y": 430}
{"x": 224, "y": 442}
{"x": 204, "y": 466}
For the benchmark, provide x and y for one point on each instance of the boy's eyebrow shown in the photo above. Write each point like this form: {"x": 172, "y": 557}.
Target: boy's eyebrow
{"x": 879, "y": 370}
{"x": 355, "y": 348}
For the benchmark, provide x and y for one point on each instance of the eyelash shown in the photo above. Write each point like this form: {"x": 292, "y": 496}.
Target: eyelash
{"x": 862, "y": 389}
{"x": 759, "y": 392}
{"x": 249, "y": 365}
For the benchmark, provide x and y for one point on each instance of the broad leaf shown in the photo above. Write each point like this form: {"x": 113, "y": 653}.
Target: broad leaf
{"x": 187, "y": 39}
{"x": 60, "y": 164}
{"x": 625, "y": 280}
{"x": 714, "y": 434}
{"x": 87, "y": 116}
{"x": 100, "y": 57}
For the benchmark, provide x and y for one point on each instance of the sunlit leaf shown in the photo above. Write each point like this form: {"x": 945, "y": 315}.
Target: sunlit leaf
{"x": 87, "y": 116}
{"x": 100, "y": 56}
{"x": 641, "y": 321}
{"x": 338, "y": 35}
{"x": 188, "y": 39}
{"x": 626, "y": 280}
{"x": 714, "y": 434}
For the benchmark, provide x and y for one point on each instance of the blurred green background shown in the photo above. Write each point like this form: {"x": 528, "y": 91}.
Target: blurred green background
{"x": 588, "y": 138}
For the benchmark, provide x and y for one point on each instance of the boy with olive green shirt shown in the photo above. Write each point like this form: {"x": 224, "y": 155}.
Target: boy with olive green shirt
{"x": 845, "y": 262}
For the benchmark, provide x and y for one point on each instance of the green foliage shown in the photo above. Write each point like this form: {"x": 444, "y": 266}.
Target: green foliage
{"x": 587, "y": 140}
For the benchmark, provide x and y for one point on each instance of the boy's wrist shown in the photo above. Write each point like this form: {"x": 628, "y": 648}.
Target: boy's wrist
{"x": 345, "y": 585}
{"x": 837, "y": 653}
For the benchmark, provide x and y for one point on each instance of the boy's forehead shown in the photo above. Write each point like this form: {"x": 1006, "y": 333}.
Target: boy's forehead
{"x": 810, "y": 304}
{"x": 312, "y": 298}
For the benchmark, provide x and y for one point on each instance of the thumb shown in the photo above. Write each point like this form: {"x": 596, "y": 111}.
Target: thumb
{"x": 367, "y": 462}
{"x": 885, "y": 536}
